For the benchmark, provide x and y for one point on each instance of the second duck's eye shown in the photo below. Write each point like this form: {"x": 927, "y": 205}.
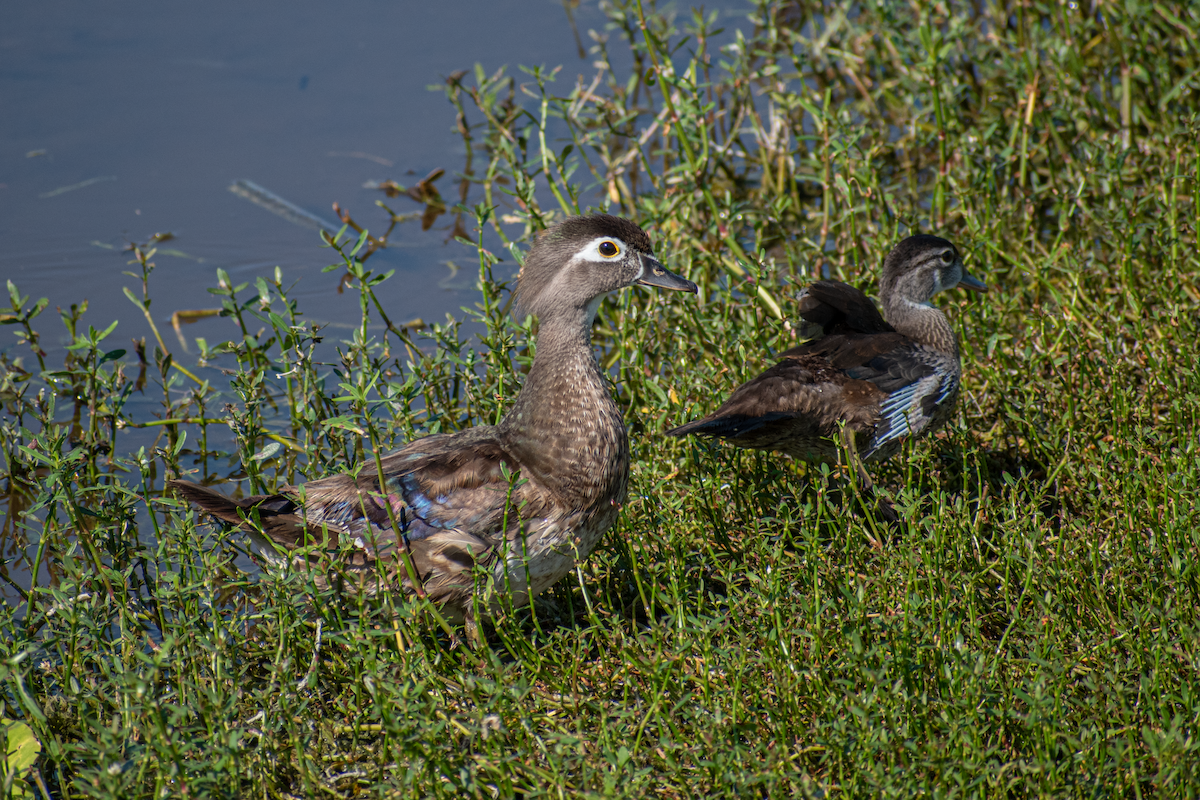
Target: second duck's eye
{"x": 948, "y": 257}
{"x": 608, "y": 249}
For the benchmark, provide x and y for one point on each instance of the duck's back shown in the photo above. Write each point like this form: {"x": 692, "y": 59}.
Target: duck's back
{"x": 857, "y": 371}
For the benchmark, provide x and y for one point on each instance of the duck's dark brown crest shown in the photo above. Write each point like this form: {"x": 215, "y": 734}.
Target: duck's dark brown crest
{"x": 912, "y": 251}
{"x": 913, "y": 267}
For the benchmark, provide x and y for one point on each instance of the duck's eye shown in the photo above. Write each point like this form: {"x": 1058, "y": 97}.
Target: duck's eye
{"x": 948, "y": 257}
{"x": 608, "y": 249}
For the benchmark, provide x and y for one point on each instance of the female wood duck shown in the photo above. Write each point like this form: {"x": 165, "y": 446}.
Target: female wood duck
{"x": 458, "y": 507}
{"x": 860, "y": 380}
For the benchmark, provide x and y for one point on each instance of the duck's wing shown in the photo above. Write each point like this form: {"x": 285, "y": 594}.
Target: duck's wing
{"x": 884, "y": 385}
{"x": 447, "y": 494}
{"x": 858, "y": 371}
{"x": 918, "y": 381}
{"x": 791, "y": 406}
{"x": 808, "y": 392}
{"x": 915, "y": 380}
{"x": 833, "y": 307}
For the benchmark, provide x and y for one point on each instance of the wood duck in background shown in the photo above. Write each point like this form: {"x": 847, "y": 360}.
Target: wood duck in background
{"x": 860, "y": 381}
{"x": 449, "y": 493}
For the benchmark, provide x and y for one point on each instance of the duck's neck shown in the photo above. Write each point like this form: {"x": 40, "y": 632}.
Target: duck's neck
{"x": 564, "y": 427}
{"x": 922, "y": 322}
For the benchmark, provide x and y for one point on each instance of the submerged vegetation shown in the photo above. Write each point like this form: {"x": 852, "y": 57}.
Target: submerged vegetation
{"x": 1031, "y": 629}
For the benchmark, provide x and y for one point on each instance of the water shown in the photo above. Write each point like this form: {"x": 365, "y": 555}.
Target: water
{"x": 122, "y": 120}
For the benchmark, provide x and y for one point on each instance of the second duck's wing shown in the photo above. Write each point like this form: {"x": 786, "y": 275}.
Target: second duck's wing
{"x": 916, "y": 381}
{"x": 882, "y": 385}
{"x": 833, "y": 307}
{"x": 858, "y": 371}
{"x": 792, "y": 407}
{"x": 807, "y": 393}
{"x": 920, "y": 384}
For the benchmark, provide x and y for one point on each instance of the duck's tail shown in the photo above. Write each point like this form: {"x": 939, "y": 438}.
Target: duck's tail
{"x": 227, "y": 509}
{"x": 728, "y": 426}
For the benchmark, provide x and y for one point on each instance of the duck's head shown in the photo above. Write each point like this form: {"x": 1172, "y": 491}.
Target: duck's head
{"x": 920, "y": 267}
{"x": 575, "y": 263}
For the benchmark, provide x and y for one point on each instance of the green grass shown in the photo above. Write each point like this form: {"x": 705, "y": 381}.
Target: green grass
{"x": 1031, "y": 630}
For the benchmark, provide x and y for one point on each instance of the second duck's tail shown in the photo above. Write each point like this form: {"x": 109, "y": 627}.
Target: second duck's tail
{"x": 729, "y": 426}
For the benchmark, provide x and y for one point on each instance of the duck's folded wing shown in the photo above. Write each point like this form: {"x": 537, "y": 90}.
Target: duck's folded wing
{"x": 915, "y": 383}
{"x": 447, "y": 500}
{"x": 434, "y": 486}
{"x": 447, "y": 482}
{"x": 801, "y": 389}
{"x": 912, "y": 380}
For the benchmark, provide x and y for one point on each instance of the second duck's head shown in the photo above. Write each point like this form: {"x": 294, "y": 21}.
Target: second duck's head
{"x": 575, "y": 263}
{"x": 920, "y": 267}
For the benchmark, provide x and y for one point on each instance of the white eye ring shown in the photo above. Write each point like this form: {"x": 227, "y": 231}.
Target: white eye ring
{"x": 594, "y": 250}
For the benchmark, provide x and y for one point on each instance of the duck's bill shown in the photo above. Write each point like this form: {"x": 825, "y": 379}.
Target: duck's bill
{"x": 655, "y": 274}
{"x": 968, "y": 281}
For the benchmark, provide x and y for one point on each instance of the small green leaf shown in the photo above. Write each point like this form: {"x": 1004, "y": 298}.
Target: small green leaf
{"x": 133, "y": 298}
{"x": 344, "y": 423}
{"x": 21, "y": 752}
{"x": 770, "y": 301}
{"x": 23, "y": 747}
{"x": 362, "y": 239}
{"x": 267, "y": 452}
{"x": 842, "y": 186}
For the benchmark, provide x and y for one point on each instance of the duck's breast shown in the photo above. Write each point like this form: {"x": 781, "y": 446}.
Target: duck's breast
{"x": 544, "y": 550}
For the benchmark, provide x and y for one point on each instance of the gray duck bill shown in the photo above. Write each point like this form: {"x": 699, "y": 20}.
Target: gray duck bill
{"x": 655, "y": 274}
{"x": 969, "y": 281}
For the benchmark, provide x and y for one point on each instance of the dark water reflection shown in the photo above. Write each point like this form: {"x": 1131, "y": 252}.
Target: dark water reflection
{"x": 139, "y": 115}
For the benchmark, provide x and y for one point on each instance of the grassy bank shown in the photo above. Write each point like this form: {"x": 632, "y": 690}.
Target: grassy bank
{"x": 1031, "y": 630}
